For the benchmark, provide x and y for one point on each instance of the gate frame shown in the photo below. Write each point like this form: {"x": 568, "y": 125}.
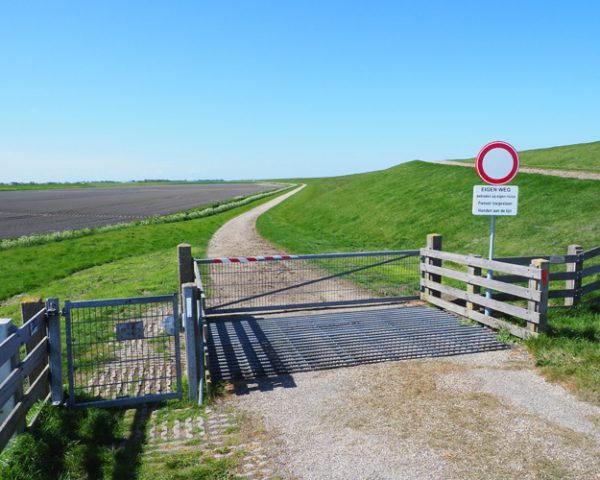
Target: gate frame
{"x": 117, "y": 402}
{"x": 402, "y": 254}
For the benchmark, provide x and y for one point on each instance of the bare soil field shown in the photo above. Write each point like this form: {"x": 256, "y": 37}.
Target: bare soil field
{"x": 26, "y": 212}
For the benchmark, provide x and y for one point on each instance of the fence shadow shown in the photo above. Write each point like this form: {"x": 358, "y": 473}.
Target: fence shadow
{"x": 129, "y": 458}
{"x": 264, "y": 384}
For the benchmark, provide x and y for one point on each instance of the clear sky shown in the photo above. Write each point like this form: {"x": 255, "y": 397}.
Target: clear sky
{"x": 264, "y": 89}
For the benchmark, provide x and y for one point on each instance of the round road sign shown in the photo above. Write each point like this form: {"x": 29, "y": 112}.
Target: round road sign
{"x": 497, "y": 163}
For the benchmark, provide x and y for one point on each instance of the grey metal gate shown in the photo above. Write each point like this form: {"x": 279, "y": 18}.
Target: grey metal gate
{"x": 123, "y": 351}
{"x": 288, "y": 282}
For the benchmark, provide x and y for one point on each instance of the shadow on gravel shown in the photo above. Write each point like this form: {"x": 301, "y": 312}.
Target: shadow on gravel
{"x": 264, "y": 384}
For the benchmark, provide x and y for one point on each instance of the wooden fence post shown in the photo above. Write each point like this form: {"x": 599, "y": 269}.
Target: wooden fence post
{"x": 186, "y": 263}
{"x": 476, "y": 289}
{"x": 434, "y": 242}
{"x": 541, "y": 285}
{"x": 575, "y": 284}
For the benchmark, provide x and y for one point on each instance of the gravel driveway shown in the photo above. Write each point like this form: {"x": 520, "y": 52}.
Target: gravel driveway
{"x": 480, "y": 416}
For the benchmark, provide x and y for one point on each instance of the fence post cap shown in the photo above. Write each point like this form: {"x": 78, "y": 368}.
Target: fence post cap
{"x": 31, "y": 299}
{"x": 434, "y": 241}
{"x": 540, "y": 262}
{"x": 5, "y": 321}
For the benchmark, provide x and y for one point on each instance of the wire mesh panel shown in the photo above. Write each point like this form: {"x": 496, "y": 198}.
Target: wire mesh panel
{"x": 245, "y": 284}
{"x": 123, "y": 351}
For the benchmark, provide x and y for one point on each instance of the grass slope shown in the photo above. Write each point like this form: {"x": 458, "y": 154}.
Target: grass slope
{"x": 583, "y": 156}
{"x": 398, "y": 207}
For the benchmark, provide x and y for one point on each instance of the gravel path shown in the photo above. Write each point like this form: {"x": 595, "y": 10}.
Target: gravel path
{"x": 541, "y": 171}
{"x": 480, "y": 416}
{"x": 239, "y": 236}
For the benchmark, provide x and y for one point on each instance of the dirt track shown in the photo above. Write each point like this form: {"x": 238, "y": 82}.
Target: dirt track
{"x": 26, "y": 212}
{"x": 482, "y": 416}
{"x": 541, "y": 171}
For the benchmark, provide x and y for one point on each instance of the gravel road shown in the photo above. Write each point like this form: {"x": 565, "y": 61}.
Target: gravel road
{"x": 481, "y": 416}
{"x": 540, "y": 171}
{"x": 26, "y": 212}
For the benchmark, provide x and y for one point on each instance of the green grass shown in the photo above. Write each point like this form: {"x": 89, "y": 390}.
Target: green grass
{"x": 190, "y": 466}
{"x": 570, "y": 352}
{"x": 580, "y": 157}
{"x": 71, "y": 444}
{"x": 398, "y": 207}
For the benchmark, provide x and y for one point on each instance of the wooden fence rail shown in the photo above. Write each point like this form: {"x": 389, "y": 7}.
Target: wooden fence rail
{"x": 437, "y": 265}
{"x": 577, "y": 271}
{"x": 30, "y": 364}
{"x": 527, "y": 281}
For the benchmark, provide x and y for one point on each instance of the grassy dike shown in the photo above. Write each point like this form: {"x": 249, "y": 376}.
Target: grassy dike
{"x": 398, "y": 207}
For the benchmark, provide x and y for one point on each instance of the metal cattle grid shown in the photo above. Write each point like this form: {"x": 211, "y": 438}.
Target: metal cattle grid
{"x": 251, "y": 346}
{"x": 288, "y": 282}
{"x": 123, "y": 351}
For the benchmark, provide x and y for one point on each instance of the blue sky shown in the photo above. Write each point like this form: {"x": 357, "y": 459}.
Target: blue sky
{"x": 266, "y": 89}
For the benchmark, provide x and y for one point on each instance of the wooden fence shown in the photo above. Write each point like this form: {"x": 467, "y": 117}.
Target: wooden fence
{"x": 520, "y": 287}
{"x": 581, "y": 269}
{"x": 30, "y": 365}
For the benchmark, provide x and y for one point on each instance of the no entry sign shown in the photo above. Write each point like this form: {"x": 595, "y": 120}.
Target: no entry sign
{"x": 497, "y": 163}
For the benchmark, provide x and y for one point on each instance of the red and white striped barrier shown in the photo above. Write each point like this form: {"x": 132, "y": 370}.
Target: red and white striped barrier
{"x": 253, "y": 259}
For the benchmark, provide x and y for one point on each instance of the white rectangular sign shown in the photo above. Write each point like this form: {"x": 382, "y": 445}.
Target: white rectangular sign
{"x": 492, "y": 200}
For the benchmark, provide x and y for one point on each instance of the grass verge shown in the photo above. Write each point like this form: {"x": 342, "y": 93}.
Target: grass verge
{"x": 569, "y": 353}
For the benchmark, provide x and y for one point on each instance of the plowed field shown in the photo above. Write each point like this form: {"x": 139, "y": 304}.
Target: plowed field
{"x": 25, "y": 212}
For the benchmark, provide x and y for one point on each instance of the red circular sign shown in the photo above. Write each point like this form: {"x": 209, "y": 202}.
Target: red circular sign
{"x": 497, "y": 163}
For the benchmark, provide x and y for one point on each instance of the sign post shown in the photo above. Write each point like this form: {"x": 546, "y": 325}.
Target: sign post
{"x": 497, "y": 164}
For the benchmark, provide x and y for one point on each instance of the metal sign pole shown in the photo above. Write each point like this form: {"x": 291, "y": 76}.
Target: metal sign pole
{"x": 490, "y": 273}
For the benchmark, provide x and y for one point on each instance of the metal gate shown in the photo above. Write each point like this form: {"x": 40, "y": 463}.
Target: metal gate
{"x": 123, "y": 351}
{"x": 288, "y": 282}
